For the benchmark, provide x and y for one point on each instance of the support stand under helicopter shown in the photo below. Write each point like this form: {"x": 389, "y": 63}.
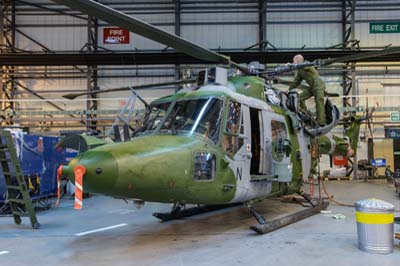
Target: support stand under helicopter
{"x": 264, "y": 226}
{"x": 269, "y": 226}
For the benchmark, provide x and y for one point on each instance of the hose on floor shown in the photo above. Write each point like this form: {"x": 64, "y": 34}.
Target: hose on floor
{"x": 331, "y": 199}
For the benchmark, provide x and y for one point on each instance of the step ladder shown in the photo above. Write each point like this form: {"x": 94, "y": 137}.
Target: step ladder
{"x": 18, "y": 194}
{"x": 123, "y": 120}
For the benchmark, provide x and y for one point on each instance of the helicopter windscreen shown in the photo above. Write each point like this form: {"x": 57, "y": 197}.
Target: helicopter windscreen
{"x": 198, "y": 116}
{"x": 154, "y": 117}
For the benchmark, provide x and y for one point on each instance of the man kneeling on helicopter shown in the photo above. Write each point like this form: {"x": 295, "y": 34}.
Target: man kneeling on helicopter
{"x": 316, "y": 88}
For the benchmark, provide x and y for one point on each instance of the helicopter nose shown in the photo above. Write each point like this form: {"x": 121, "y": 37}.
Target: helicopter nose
{"x": 101, "y": 171}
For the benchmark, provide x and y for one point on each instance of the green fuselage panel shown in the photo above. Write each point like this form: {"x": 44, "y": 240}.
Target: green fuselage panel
{"x": 155, "y": 168}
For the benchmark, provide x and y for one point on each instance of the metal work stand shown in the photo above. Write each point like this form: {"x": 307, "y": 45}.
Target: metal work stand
{"x": 18, "y": 194}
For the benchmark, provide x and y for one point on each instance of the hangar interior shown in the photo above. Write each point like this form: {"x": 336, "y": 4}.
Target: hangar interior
{"x": 49, "y": 50}
{"x": 39, "y": 36}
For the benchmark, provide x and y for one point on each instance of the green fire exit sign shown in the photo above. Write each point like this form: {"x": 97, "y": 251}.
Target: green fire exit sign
{"x": 395, "y": 116}
{"x": 384, "y": 27}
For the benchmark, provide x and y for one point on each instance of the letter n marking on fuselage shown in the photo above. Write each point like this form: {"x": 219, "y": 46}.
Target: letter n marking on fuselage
{"x": 239, "y": 173}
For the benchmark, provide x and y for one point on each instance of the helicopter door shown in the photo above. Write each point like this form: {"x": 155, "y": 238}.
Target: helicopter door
{"x": 244, "y": 154}
{"x": 257, "y": 131}
{"x": 237, "y": 145}
{"x": 281, "y": 149}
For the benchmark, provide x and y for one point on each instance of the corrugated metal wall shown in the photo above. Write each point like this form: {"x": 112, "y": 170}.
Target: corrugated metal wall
{"x": 231, "y": 25}
{"x": 302, "y": 24}
{"x": 57, "y": 32}
{"x": 289, "y": 25}
{"x": 220, "y": 26}
{"x": 384, "y": 11}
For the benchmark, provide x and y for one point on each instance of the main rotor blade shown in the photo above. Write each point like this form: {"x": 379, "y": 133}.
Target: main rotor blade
{"x": 144, "y": 29}
{"x": 278, "y": 70}
{"x": 359, "y": 56}
{"x": 72, "y": 96}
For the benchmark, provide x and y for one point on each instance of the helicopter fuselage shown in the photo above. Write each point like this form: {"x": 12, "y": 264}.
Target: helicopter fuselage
{"x": 208, "y": 145}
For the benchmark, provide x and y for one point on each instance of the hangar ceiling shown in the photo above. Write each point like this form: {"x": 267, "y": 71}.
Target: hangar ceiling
{"x": 48, "y": 48}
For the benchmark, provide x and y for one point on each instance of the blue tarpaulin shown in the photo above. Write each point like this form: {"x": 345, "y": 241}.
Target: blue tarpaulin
{"x": 39, "y": 159}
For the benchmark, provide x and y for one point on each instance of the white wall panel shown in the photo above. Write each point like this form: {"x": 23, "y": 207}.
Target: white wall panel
{"x": 224, "y": 36}
{"x": 308, "y": 27}
{"x": 48, "y": 19}
{"x": 218, "y": 17}
{"x": 116, "y": 99}
{"x": 298, "y": 35}
{"x": 221, "y": 29}
{"x": 55, "y": 39}
{"x": 156, "y": 18}
{"x": 303, "y": 15}
{"x": 44, "y": 30}
{"x": 384, "y": 95}
{"x": 51, "y": 84}
{"x": 363, "y": 14}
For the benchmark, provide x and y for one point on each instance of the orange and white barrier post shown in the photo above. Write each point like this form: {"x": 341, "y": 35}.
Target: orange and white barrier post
{"x": 59, "y": 173}
{"x": 79, "y": 172}
{"x": 311, "y": 179}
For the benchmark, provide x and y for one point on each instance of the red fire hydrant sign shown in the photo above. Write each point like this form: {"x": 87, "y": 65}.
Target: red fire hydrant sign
{"x": 115, "y": 36}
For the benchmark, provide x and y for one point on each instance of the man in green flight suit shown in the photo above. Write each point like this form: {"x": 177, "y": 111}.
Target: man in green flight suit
{"x": 317, "y": 88}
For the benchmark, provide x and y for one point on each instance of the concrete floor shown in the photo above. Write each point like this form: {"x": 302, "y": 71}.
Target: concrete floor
{"x": 218, "y": 238}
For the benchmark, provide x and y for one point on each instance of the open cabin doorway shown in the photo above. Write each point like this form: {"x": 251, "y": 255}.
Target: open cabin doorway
{"x": 256, "y": 147}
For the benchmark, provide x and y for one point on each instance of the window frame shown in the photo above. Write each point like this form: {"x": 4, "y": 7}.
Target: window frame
{"x": 273, "y": 143}
{"x": 213, "y": 174}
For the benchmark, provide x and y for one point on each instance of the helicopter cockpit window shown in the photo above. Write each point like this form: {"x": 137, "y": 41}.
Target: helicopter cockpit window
{"x": 279, "y": 136}
{"x": 198, "y": 116}
{"x": 154, "y": 117}
{"x": 204, "y": 166}
{"x": 232, "y": 143}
